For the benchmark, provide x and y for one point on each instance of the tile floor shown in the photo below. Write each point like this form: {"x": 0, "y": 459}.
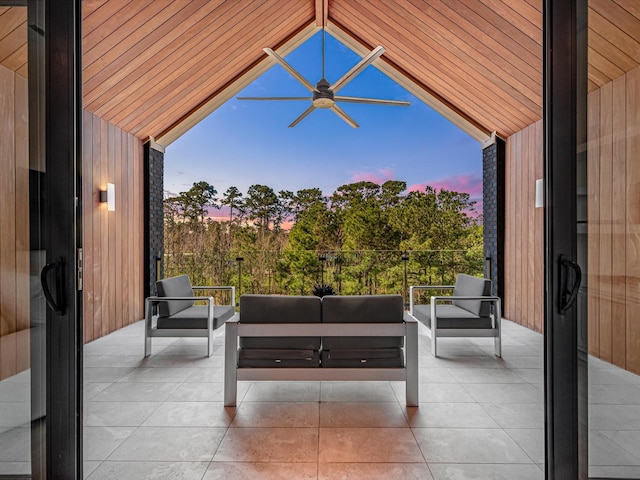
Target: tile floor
{"x": 480, "y": 417}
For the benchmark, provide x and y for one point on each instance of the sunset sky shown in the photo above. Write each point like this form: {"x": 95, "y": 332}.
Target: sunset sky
{"x": 248, "y": 142}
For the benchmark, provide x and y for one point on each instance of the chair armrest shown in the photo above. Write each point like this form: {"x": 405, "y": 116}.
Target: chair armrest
{"x": 220, "y": 287}
{"x": 497, "y": 314}
{"x": 425, "y": 287}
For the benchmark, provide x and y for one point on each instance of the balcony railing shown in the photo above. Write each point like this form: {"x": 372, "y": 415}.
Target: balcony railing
{"x": 357, "y": 272}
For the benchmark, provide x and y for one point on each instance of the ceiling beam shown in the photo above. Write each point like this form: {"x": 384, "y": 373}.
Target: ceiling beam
{"x": 322, "y": 12}
{"x": 240, "y": 81}
{"x": 413, "y": 85}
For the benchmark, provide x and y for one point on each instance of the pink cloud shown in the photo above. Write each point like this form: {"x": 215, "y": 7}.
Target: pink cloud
{"x": 471, "y": 184}
{"x": 379, "y": 177}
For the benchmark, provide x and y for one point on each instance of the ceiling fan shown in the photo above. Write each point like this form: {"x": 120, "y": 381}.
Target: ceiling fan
{"x": 323, "y": 95}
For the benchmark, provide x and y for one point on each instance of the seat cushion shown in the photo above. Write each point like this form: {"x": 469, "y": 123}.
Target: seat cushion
{"x": 469, "y": 286}
{"x": 363, "y": 358}
{"x": 280, "y": 309}
{"x": 269, "y": 358}
{"x": 450, "y": 316}
{"x": 195, "y": 317}
{"x": 174, "y": 287}
{"x": 362, "y": 309}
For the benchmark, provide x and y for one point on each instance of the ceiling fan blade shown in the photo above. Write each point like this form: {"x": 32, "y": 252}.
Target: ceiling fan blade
{"x": 275, "y": 98}
{"x": 371, "y": 101}
{"x": 302, "y": 117}
{"x": 289, "y": 69}
{"x": 343, "y": 115}
{"x": 361, "y": 65}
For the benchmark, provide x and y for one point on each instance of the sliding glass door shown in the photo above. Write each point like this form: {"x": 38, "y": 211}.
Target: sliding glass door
{"x": 592, "y": 161}
{"x": 39, "y": 351}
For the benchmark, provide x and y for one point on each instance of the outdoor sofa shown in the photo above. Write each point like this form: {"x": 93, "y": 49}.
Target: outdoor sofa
{"x": 177, "y": 315}
{"x": 277, "y": 337}
{"x": 470, "y": 311}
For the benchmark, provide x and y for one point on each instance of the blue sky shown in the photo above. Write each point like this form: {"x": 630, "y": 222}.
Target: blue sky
{"x": 248, "y": 142}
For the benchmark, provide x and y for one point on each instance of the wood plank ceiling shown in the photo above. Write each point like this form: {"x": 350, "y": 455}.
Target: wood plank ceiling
{"x": 13, "y": 39}
{"x": 156, "y": 66}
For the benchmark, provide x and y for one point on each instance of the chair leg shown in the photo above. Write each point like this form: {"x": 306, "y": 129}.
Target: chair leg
{"x": 210, "y": 343}
{"x": 497, "y": 346}
{"x": 412, "y": 380}
{"x": 230, "y": 364}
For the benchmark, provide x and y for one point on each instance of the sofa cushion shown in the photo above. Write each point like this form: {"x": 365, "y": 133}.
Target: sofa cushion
{"x": 196, "y": 317}
{"x": 450, "y": 316}
{"x": 268, "y": 358}
{"x": 466, "y": 285}
{"x": 174, "y": 287}
{"x": 280, "y": 309}
{"x": 363, "y": 358}
{"x": 362, "y": 309}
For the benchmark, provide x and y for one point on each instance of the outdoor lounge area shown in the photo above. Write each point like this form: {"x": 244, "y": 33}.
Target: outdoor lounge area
{"x": 480, "y": 416}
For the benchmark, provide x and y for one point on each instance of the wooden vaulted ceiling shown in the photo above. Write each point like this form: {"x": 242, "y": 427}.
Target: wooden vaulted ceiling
{"x": 157, "y": 67}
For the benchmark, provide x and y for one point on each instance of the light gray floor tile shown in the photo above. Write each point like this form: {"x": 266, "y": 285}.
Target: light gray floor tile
{"x": 262, "y": 471}
{"x": 464, "y": 445}
{"x": 504, "y": 393}
{"x": 88, "y": 467}
{"x": 614, "y": 417}
{"x": 374, "y": 471}
{"x": 452, "y": 415}
{"x": 603, "y": 450}
{"x": 486, "y": 472}
{"x": 190, "y": 361}
{"x": 618, "y": 395}
{"x": 113, "y": 361}
{"x": 368, "y": 445}
{"x": 14, "y": 391}
{"x": 170, "y": 444}
{"x": 190, "y": 414}
{"x": 436, "y": 375}
{"x": 356, "y": 392}
{"x": 531, "y": 440}
{"x": 91, "y": 390}
{"x": 149, "y": 470}
{"x": 117, "y": 414}
{"x": 619, "y": 472}
{"x": 100, "y": 442}
{"x": 277, "y": 414}
{"x": 15, "y": 445}
{"x": 207, "y": 375}
{"x": 204, "y": 392}
{"x": 435, "y": 393}
{"x": 15, "y": 414}
{"x": 627, "y": 439}
{"x": 105, "y": 374}
{"x": 484, "y": 375}
{"x": 159, "y": 375}
{"x": 362, "y": 414}
{"x": 516, "y": 415}
{"x": 283, "y": 392}
{"x": 136, "y": 392}
{"x": 15, "y": 468}
{"x": 530, "y": 375}
{"x": 295, "y": 445}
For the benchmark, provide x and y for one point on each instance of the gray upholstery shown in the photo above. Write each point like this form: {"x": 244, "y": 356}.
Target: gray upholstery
{"x": 363, "y": 358}
{"x": 362, "y": 309}
{"x": 469, "y": 286}
{"x": 195, "y": 317}
{"x": 280, "y": 309}
{"x": 272, "y": 357}
{"x": 451, "y": 316}
{"x": 174, "y": 287}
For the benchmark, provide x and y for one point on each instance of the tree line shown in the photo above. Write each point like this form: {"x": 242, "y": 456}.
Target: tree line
{"x": 363, "y": 238}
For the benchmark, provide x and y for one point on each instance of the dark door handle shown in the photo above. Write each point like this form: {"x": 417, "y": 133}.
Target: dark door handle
{"x": 57, "y": 305}
{"x": 568, "y": 295}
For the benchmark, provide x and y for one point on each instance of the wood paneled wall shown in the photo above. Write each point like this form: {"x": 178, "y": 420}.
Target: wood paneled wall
{"x": 14, "y": 230}
{"x": 113, "y": 241}
{"x": 524, "y": 258}
{"x": 613, "y": 195}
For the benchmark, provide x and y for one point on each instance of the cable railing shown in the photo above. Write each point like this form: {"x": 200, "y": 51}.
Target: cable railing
{"x": 348, "y": 272}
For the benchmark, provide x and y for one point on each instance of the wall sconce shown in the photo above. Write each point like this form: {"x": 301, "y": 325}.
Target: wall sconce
{"x": 539, "y": 193}
{"x": 108, "y": 196}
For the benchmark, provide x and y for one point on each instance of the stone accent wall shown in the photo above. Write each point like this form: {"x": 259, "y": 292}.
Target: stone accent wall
{"x": 153, "y": 218}
{"x": 493, "y": 198}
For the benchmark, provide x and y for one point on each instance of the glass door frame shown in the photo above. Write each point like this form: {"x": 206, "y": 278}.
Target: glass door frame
{"x": 564, "y": 124}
